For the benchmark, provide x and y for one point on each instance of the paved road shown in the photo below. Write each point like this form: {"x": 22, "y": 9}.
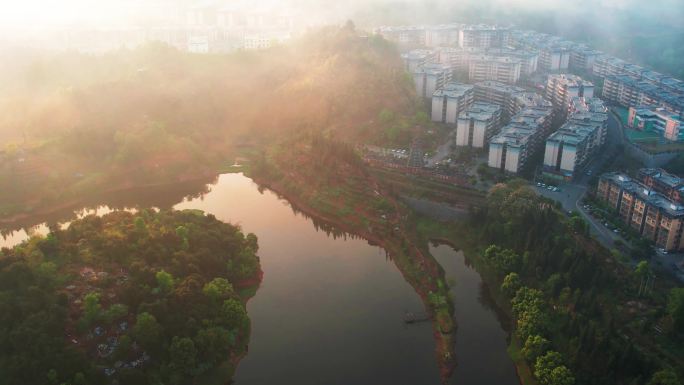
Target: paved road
{"x": 570, "y": 198}
{"x": 572, "y": 193}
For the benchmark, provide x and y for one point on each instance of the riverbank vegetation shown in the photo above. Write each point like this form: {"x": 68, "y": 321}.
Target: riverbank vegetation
{"x": 157, "y": 115}
{"x": 579, "y": 315}
{"x": 126, "y": 298}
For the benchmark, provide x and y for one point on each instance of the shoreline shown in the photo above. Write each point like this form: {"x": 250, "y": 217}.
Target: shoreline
{"x": 444, "y": 349}
{"x": 81, "y": 202}
{"x": 520, "y": 365}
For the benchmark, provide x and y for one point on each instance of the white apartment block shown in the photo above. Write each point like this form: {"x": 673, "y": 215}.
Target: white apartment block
{"x": 582, "y": 58}
{"x": 448, "y": 102}
{"x": 523, "y": 100}
{"x": 477, "y": 125}
{"x": 417, "y": 58}
{"x": 569, "y": 148}
{"x": 404, "y": 35}
{"x": 498, "y": 68}
{"x": 442, "y": 35}
{"x": 590, "y": 111}
{"x": 430, "y": 77}
{"x": 497, "y": 93}
{"x": 462, "y": 59}
{"x": 511, "y": 149}
{"x": 483, "y": 36}
{"x": 562, "y": 88}
{"x": 554, "y": 58}
{"x": 529, "y": 61}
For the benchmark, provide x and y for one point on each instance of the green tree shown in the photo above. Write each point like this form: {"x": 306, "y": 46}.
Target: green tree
{"x": 675, "y": 307}
{"x": 503, "y": 260}
{"x": 511, "y": 284}
{"x": 183, "y": 233}
{"x": 535, "y": 346}
{"x": 642, "y": 271}
{"x": 530, "y": 322}
{"x": 544, "y": 366}
{"x": 561, "y": 375}
{"x": 527, "y": 298}
{"x": 386, "y": 116}
{"x": 664, "y": 377}
{"x": 218, "y": 289}
{"x": 80, "y": 379}
{"x": 140, "y": 224}
{"x": 124, "y": 348}
{"x": 165, "y": 281}
{"x": 183, "y": 355}
{"x": 213, "y": 344}
{"x": 233, "y": 314}
{"x": 147, "y": 330}
{"x": 91, "y": 307}
{"x": 52, "y": 376}
{"x": 116, "y": 311}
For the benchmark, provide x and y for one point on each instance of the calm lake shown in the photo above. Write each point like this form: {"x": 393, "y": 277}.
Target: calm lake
{"x": 329, "y": 310}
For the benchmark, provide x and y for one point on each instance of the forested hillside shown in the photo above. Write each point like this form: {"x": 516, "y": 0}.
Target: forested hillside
{"x": 76, "y": 123}
{"x": 143, "y": 298}
{"x": 579, "y": 311}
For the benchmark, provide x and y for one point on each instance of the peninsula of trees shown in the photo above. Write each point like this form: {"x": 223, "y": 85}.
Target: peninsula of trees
{"x": 146, "y": 298}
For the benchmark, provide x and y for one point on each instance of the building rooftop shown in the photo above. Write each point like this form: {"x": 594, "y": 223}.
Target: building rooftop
{"x": 570, "y": 80}
{"x": 495, "y": 58}
{"x": 453, "y": 90}
{"x": 572, "y": 133}
{"x": 484, "y": 27}
{"x": 662, "y": 176}
{"x": 432, "y": 69}
{"x": 651, "y": 197}
{"x": 418, "y": 54}
{"x": 498, "y": 86}
{"x": 481, "y": 111}
{"x": 581, "y": 104}
{"x": 531, "y": 99}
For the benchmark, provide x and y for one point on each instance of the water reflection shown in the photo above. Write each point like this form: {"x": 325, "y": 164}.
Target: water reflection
{"x": 330, "y": 307}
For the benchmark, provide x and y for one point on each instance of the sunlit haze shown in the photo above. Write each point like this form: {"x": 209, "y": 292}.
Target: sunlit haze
{"x": 342, "y": 192}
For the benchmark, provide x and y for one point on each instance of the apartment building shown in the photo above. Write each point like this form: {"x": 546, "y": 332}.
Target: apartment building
{"x": 502, "y": 69}
{"x": 630, "y": 91}
{"x": 554, "y": 58}
{"x": 483, "y": 36}
{"x": 457, "y": 58}
{"x": 523, "y": 100}
{"x": 477, "y": 125}
{"x": 448, "y": 102}
{"x": 430, "y": 77}
{"x": 497, "y": 93}
{"x": 410, "y": 35}
{"x": 582, "y": 58}
{"x": 489, "y": 64}
{"x": 445, "y": 35}
{"x": 663, "y": 182}
{"x": 651, "y": 214}
{"x": 529, "y": 60}
{"x": 511, "y": 149}
{"x": 657, "y": 119}
{"x": 570, "y": 148}
{"x": 417, "y": 58}
{"x": 562, "y": 88}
